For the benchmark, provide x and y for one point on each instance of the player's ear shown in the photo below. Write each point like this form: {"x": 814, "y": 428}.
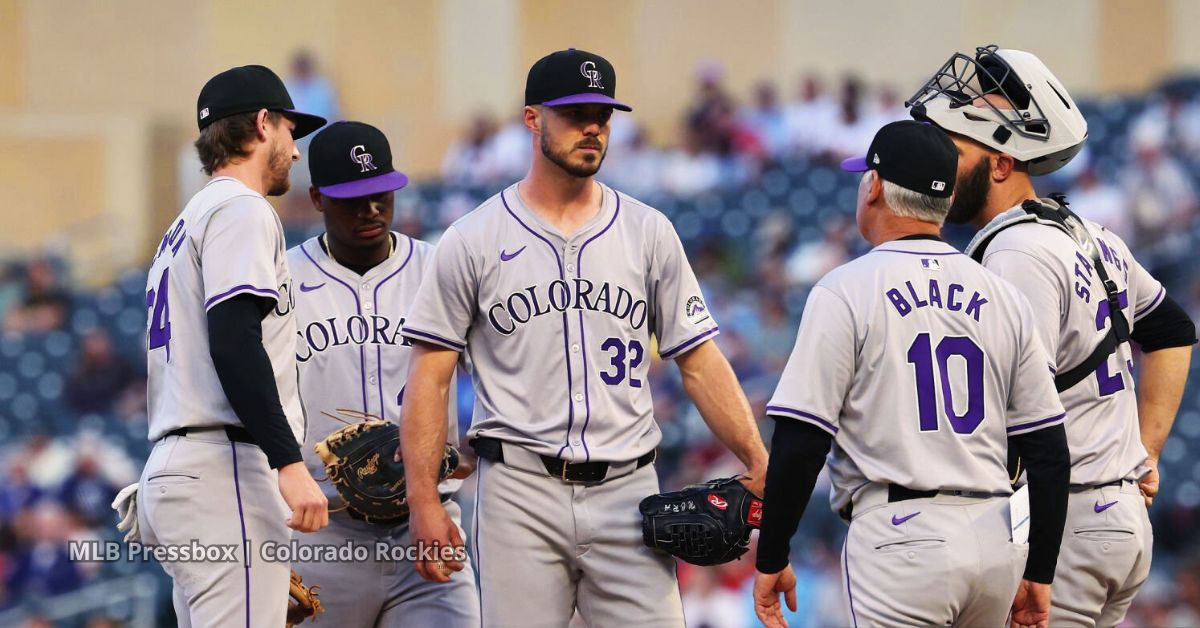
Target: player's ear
{"x": 874, "y": 187}
{"x": 533, "y": 119}
{"x": 1002, "y": 166}
{"x": 315, "y": 196}
{"x": 260, "y": 124}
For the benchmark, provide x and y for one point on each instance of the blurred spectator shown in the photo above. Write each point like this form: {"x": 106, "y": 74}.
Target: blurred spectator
{"x": 466, "y": 161}
{"x": 812, "y": 111}
{"x": 688, "y": 169}
{"x": 41, "y": 566}
{"x": 634, "y": 167}
{"x": 87, "y": 493}
{"x": 17, "y": 492}
{"x": 1102, "y": 202}
{"x": 1161, "y": 193}
{"x": 100, "y": 375}
{"x": 44, "y": 304}
{"x": 888, "y": 107}
{"x": 851, "y": 130}
{"x": 508, "y": 152}
{"x": 710, "y": 94}
{"x": 812, "y": 260}
{"x": 310, "y": 91}
{"x": 767, "y": 118}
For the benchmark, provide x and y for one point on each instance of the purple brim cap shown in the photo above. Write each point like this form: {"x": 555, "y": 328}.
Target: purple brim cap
{"x": 588, "y": 98}
{"x": 388, "y": 182}
{"x": 855, "y": 164}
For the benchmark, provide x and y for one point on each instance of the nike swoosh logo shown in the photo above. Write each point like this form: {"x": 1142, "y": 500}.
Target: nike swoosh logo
{"x": 504, "y": 257}
{"x": 306, "y": 288}
{"x": 1102, "y": 507}
{"x": 899, "y": 520}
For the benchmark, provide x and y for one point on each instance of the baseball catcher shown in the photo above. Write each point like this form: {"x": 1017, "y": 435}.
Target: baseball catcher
{"x": 703, "y": 524}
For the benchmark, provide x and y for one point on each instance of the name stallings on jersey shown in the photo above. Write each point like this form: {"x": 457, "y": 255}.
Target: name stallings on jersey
{"x": 520, "y": 307}
{"x": 339, "y": 331}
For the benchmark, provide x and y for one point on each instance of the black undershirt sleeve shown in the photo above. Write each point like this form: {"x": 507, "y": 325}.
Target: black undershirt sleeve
{"x": 246, "y": 375}
{"x": 1047, "y": 462}
{"x": 798, "y": 452}
{"x": 1166, "y": 326}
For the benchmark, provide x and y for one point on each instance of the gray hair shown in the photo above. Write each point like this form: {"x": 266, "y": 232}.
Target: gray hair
{"x": 910, "y": 204}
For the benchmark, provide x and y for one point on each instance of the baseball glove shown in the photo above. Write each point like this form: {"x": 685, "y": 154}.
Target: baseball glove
{"x": 703, "y": 524}
{"x": 302, "y": 601}
{"x": 359, "y": 460}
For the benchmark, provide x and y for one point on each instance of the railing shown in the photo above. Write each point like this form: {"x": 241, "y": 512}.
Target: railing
{"x": 133, "y": 597}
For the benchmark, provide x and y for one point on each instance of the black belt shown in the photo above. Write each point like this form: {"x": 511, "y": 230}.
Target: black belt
{"x": 1079, "y": 488}
{"x": 235, "y": 433}
{"x": 897, "y": 493}
{"x": 492, "y": 450}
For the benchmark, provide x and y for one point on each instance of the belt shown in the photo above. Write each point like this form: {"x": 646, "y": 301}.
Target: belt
{"x": 898, "y": 493}
{"x": 235, "y": 433}
{"x": 1079, "y": 488}
{"x": 492, "y": 450}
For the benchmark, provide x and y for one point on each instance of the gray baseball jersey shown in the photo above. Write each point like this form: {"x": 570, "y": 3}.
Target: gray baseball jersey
{"x": 353, "y": 360}
{"x": 227, "y": 241}
{"x": 1071, "y": 318}
{"x": 920, "y": 364}
{"x": 557, "y": 331}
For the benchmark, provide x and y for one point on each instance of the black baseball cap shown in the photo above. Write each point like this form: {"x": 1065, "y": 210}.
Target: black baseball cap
{"x": 351, "y": 159}
{"x": 572, "y": 77}
{"x": 250, "y": 88}
{"x": 914, "y": 155}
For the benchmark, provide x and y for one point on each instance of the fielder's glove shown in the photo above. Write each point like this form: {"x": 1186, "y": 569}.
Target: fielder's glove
{"x": 126, "y": 506}
{"x": 302, "y": 601}
{"x": 359, "y": 460}
{"x": 703, "y": 524}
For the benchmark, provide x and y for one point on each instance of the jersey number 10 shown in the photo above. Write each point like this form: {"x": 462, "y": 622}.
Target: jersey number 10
{"x": 921, "y": 355}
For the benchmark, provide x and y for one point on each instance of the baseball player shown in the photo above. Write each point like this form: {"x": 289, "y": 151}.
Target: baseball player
{"x": 356, "y": 282}
{"x": 226, "y": 468}
{"x": 550, "y": 293}
{"x": 1011, "y": 120}
{"x": 929, "y": 366}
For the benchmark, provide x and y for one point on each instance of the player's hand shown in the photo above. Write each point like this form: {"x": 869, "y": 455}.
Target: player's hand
{"x": 1031, "y": 607}
{"x": 431, "y": 527}
{"x": 1149, "y": 482}
{"x": 310, "y": 508}
{"x": 755, "y": 481}
{"x": 767, "y": 587}
{"x": 466, "y": 466}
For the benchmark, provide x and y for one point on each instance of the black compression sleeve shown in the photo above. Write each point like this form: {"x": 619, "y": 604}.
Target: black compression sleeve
{"x": 797, "y": 454}
{"x": 1166, "y": 326}
{"x": 246, "y": 375}
{"x": 1047, "y": 462}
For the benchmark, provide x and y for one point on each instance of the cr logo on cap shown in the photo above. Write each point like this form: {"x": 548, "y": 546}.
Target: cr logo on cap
{"x": 589, "y": 71}
{"x": 360, "y": 156}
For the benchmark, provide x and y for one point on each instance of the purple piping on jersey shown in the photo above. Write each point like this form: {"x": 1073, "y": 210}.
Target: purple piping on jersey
{"x": 236, "y": 289}
{"x": 237, "y": 490}
{"x": 1162, "y": 292}
{"x": 475, "y": 530}
{"x": 566, "y": 326}
{"x": 914, "y": 252}
{"x": 849, "y": 590}
{"x": 829, "y": 427}
{"x": 1025, "y": 426}
{"x": 582, "y": 341}
{"x": 687, "y": 343}
{"x": 362, "y": 354}
{"x": 379, "y": 347}
{"x": 424, "y": 335}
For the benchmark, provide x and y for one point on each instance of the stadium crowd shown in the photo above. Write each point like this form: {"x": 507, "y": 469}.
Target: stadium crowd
{"x": 753, "y": 190}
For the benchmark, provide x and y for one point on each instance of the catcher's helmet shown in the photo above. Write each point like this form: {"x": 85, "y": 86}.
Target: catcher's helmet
{"x": 1034, "y": 119}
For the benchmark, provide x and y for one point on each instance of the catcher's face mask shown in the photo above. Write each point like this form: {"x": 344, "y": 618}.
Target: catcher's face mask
{"x": 1007, "y": 100}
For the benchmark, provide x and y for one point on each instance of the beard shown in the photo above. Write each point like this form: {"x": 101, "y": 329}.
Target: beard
{"x": 279, "y": 164}
{"x": 591, "y": 161}
{"x": 970, "y": 194}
